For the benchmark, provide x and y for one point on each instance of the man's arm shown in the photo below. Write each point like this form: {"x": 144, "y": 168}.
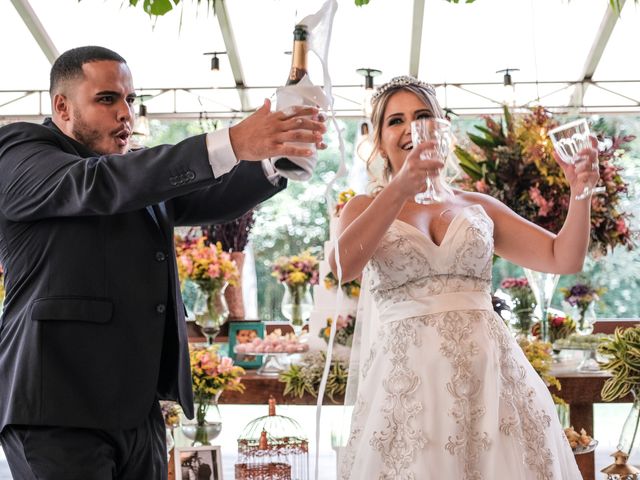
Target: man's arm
{"x": 42, "y": 175}
{"x": 238, "y": 191}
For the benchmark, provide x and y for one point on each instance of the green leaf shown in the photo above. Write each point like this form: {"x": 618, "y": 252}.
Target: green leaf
{"x": 158, "y": 7}
{"x": 481, "y": 141}
{"x": 468, "y": 163}
{"x": 360, "y": 3}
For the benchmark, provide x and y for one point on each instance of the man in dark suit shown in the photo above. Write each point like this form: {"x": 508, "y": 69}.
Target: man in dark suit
{"x": 93, "y": 331}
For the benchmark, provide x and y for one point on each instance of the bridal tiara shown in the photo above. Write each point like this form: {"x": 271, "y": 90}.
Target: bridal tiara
{"x": 402, "y": 81}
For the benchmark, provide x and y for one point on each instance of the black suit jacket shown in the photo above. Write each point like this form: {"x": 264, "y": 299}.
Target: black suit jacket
{"x": 93, "y": 326}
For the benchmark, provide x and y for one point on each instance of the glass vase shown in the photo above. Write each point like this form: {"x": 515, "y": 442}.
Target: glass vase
{"x": 214, "y": 314}
{"x": 585, "y": 317}
{"x": 206, "y": 425}
{"x": 630, "y": 435}
{"x": 297, "y": 305}
{"x": 542, "y": 285}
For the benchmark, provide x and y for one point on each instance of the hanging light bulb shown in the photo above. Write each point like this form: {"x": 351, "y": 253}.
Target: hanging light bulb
{"x": 215, "y": 67}
{"x": 509, "y": 92}
{"x": 368, "y": 74}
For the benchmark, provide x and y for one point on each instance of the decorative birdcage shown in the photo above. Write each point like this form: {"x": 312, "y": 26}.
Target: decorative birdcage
{"x": 620, "y": 470}
{"x": 272, "y": 447}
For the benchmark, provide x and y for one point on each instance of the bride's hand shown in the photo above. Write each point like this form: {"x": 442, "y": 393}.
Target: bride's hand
{"x": 412, "y": 177}
{"x": 585, "y": 171}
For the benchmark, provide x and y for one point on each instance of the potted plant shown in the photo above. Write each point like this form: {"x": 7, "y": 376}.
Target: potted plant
{"x": 623, "y": 362}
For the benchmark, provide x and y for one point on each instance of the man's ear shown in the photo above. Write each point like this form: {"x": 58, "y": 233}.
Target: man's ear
{"x": 61, "y": 107}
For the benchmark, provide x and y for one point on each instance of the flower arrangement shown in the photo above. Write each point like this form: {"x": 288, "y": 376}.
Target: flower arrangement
{"x": 345, "y": 326}
{"x": 305, "y": 377}
{"x": 559, "y": 327}
{"x": 513, "y": 162}
{"x": 205, "y": 263}
{"x": 581, "y": 296}
{"x": 539, "y": 355}
{"x": 343, "y": 199}
{"x": 623, "y": 353}
{"x": 351, "y": 289}
{"x": 524, "y": 302}
{"x": 211, "y": 375}
{"x": 302, "y": 269}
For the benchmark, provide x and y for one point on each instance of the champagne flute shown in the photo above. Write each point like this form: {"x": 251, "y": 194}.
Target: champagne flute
{"x": 438, "y": 131}
{"x": 569, "y": 141}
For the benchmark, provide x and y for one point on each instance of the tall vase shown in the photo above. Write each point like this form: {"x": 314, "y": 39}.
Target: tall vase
{"x": 630, "y": 436}
{"x": 207, "y": 423}
{"x": 542, "y": 285}
{"x": 233, "y": 294}
{"x": 215, "y": 314}
{"x": 297, "y": 304}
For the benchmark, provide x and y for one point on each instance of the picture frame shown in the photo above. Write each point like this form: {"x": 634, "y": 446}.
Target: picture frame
{"x": 203, "y": 462}
{"x": 244, "y": 332}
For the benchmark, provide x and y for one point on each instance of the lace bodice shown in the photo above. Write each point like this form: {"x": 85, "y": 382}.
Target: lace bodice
{"x": 408, "y": 264}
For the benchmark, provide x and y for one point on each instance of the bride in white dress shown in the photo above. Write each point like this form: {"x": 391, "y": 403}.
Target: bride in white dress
{"x": 443, "y": 389}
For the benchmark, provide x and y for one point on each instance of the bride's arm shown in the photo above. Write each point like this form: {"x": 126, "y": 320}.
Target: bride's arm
{"x": 529, "y": 245}
{"x": 364, "y": 220}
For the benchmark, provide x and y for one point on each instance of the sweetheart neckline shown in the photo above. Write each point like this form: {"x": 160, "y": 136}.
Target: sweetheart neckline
{"x": 428, "y": 238}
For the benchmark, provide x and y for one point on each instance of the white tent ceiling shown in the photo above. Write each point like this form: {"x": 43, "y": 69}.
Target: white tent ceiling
{"x": 568, "y": 53}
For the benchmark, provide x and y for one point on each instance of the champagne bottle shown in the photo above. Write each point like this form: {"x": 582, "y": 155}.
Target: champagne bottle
{"x": 299, "y": 55}
{"x": 298, "y": 70}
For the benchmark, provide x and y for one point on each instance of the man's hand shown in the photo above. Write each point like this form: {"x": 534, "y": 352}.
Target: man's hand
{"x": 266, "y": 134}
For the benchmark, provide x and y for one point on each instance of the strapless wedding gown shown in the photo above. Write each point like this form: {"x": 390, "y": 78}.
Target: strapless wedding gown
{"x": 445, "y": 392}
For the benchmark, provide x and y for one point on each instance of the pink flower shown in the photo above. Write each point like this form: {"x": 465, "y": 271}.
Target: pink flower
{"x": 540, "y": 201}
{"x": 214, "y": 270}
{"x": 188, "y": 264}
{"x": 226, "y": 365}
{"x": 481, "y": 186}
{"x": 341, "y": 323}
{"x": 621, "y": 226}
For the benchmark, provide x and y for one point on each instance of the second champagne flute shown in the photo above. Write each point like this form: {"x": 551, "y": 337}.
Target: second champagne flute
{"x": 438, "y": 131}
{"x": 569, "y": 141}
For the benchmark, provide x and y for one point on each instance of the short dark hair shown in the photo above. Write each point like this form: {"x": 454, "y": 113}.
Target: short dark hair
{"x": 69, "y": 64}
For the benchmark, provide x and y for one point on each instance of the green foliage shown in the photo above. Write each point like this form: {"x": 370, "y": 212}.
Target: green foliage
{"x": 623, "y": 363}
{"x": 306, "y": 376}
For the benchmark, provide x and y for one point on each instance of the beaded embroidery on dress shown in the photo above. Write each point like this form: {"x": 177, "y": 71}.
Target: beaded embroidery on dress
{"x": 444, "y": 391}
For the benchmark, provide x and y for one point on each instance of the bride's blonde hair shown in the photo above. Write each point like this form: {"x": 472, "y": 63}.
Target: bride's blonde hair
{"x": 424, "y": 91}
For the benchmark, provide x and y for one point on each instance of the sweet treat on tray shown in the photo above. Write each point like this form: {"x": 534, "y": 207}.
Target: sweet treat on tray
{"x": 586, "y": 342}
{"x": 577, "y": 439}
{"x": 275, "y": 342}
